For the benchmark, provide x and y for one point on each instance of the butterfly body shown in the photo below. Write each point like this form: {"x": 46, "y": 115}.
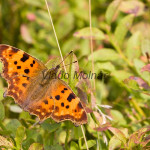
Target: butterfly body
{"x": 37, "y": 89}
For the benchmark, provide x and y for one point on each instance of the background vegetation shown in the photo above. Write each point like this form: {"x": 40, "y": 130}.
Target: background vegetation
{"x": 121, "y": 42}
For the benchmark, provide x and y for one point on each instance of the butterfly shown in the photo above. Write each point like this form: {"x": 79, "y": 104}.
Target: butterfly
{"x": 34, "y": 87}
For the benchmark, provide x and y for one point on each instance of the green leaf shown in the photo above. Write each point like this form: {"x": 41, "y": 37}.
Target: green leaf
{"x": 19, "y": 137}
{"x": 122, "y": 28}
{"x": 74, "y": 146}
{"x": 119, "y": 134}
{"x": 2, "y": 111}
{"x": 54, "y": 147}
{"x": 118, "y": 118}
{"x": 121, "y": 75}
{"x": 114, "y": 143}
{"x": 133, "y": 46}
{"x": 64, "y": 27}
{"x": 145, "y": 46}
{"x": 12, "y": 126}
{"x": 132, "y": 7}
{"x": 112, "y": 9}
{"x": 132, "y": 84}
{"x": 139, "y": 65}
{"x": 90, "y": 144}
{"x": 104, "y": 54}
{"x": 50, "y": 127}
{"x": 106, "y": 67}
{"x": 86, "y": 33}
{"x": 36, "y": 146}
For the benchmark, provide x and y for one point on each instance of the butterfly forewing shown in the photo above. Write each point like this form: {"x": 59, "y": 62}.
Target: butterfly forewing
{"x": 19, "y": 68}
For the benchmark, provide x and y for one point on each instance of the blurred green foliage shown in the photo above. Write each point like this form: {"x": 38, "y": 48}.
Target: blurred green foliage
{"x": 121, "y": 42}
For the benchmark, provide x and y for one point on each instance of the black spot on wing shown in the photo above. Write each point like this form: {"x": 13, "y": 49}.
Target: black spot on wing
{"x": 18, "y": 67}
{"x": 24, "y": 84}
{"x": 26, "y": 71}
{"x": 62, "y": 104}
{"x": 65, "y": 89}
{"x": 46, "y": 101}
{"x": 31, "y": 65}
{"x": 62, "y": 91}
{"x": 57, "y": 97}
{"x": 25, "y": 57}
{"x": 15, "y": 50}
{"x": 67, "y": 106}
{"x": 71, "y": 96}
{"x": 80, "y": 105}
{"x": 15, "y": 62}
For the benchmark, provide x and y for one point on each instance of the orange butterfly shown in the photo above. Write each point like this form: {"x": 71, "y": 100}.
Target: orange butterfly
{"x": 35, "y": 89}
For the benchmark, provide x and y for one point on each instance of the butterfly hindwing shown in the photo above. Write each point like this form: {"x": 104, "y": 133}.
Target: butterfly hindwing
{"x": 67, "y": 105}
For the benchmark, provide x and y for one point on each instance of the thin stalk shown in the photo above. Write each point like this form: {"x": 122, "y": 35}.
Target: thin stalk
{"x": 84, "y": 138}
{"x": 51, "y": 20}
{"x": 91, "y": 42}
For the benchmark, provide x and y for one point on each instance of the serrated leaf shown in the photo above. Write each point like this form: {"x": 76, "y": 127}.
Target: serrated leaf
{"x": 104, "y": 54}
{"x": 86, "y": 33}
{"x": 90, "y": 144}
{"x": 2, "y": 111}
{"x": 36, "y": 146}
{"x": 112, "y": 10}
{"x": 19, "y": 137}
{"x": 119, "y": 134}
{"x": 122, "y": 28}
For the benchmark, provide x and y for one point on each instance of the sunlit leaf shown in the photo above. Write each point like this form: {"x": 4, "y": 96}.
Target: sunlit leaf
{"x": 132, "y": 7}
{"x": 90, "y": 144}
{"x": 119, "y": 134}
{"x": 86, "y": 33}
{"x": 122, "y": 28}
{"x": 112, "y": 10}
{"x": 114, "y": 143}
{"x": 133, "y": 46}
{"x": 19, "y": 137}
{"x": 36, "y": 146}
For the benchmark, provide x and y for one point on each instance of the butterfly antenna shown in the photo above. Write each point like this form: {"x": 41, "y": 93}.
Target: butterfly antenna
{"x": 66, "y": 57}
{"x": 71, "y": 63}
